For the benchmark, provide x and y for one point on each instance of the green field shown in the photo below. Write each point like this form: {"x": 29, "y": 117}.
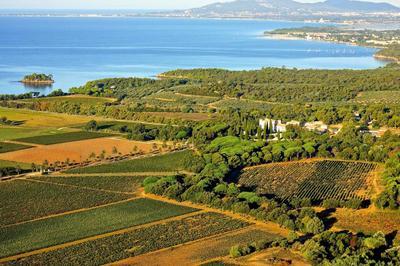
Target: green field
{"x": 61, "y": 229}
{"x": 161, "y": 163}
{"x": 22, "y": 200}
{"x": 64, "y": 137}
{"x": 8, "y": 147}
{"x": 12, "y": 133}
{"x": 114, "y": 183}
{"x": 136, "y": 242}
{"x": 24, "y": 166}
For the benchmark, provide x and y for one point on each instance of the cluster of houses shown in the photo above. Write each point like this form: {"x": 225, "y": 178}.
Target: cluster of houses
{"x": 277, "y": 126}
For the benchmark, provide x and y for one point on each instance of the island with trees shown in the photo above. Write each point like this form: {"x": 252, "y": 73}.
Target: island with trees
{"x": 40, "y": 79}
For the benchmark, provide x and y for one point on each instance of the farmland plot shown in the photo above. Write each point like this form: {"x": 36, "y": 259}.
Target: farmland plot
{"x": 138, "y": 241}
{"x": 61, "y": 229}
{"x": 8, "y": 147}
{"x": 22, "y": 200}
{"x": 317, "y": 180}
{"x": 203, "y": 250}
{"x": 78, "y": 151}
{"x": 161, "y": 163}
{"x": 64, "y": 137}
{"x": 112, "y": 183}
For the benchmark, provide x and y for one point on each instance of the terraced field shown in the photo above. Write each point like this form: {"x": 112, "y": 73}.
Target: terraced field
{"x": 317, "y": 180}
{"x": 161, "y": 163}
{"x": 39, "y": 234}
{"x": 138, "y": 241}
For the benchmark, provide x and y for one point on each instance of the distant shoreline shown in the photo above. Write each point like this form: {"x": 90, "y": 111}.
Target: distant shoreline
{"x": 377, "y": 56}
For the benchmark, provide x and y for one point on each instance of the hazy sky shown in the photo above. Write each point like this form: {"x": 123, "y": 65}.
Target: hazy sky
{"x": 128, "y": 4}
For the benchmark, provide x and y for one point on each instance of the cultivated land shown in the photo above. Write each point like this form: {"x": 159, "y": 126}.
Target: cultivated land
{"x": 23, "y": 200}
{"x": 13, "y": 164}
{"x": 63, "y": 137}
{"x": 32, "y": 119}
{"x": 317, "y": 180}
{"x": 44, "y": 233}
{"x": 129, "y": 184}
{"x": 75, "y": 151}
{"x": 159, "y": 163}
{"x": 139, "y": 241}
{"x": 202, "y": 250}
{"x": 8, "y": 147}
{"x": 369, "y": 221}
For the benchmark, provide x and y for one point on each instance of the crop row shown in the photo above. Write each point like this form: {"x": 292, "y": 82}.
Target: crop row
{"x": 70, "y": 227}
{"x": 316, "y": 180}
{"x": 111, "y": 183}
{"x": 136, "y": 242}
{"x": 161, "y": 163}
{"x": 22, "y": 200}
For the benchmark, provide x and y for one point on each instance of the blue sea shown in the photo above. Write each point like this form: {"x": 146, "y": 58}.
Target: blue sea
{"x": 78, "y": 49}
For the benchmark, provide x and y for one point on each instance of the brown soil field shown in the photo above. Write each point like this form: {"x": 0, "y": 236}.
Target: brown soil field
{"x": 199, "y": 251}
{"x": 368, "y": 220}
{"x": 77, "y": 151}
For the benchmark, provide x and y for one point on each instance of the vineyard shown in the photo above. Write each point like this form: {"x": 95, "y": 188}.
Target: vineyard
{"x": 139, "y": 241}
{"x": 22, "y": 200}
{"x": 112, "y": 183}
{"x": 316, "y": 180}
{"x": 44, "y": 233}
{"x": 161, "y": 163}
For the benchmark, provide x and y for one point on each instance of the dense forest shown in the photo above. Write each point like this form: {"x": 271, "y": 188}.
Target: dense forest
{"x": 268, "y": 84}
{"x": 291, "y": 85}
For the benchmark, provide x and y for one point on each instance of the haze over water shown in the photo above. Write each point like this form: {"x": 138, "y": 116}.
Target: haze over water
{"x": 76, "y": 50}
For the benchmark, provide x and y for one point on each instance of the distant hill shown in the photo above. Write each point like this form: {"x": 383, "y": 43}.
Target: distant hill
{"x": 288, "y": 9}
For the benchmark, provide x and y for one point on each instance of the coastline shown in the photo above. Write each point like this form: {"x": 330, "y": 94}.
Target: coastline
{"x": 385, "y": 58}
{"x": 377, "y": 56}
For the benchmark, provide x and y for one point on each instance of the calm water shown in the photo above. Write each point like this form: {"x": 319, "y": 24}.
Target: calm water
{"x": 76, "y": 50}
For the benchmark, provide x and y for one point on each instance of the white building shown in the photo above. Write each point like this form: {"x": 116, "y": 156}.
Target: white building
{"x": 318, "y": 126}
{"x": 276, "y": 126}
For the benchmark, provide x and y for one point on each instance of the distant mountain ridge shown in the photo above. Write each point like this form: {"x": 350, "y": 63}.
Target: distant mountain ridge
{"x": 288, "y": 9}
{"x": 291, "y": 5}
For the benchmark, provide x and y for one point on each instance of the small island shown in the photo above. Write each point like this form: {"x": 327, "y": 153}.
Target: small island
{"x": 39, "y": 79}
